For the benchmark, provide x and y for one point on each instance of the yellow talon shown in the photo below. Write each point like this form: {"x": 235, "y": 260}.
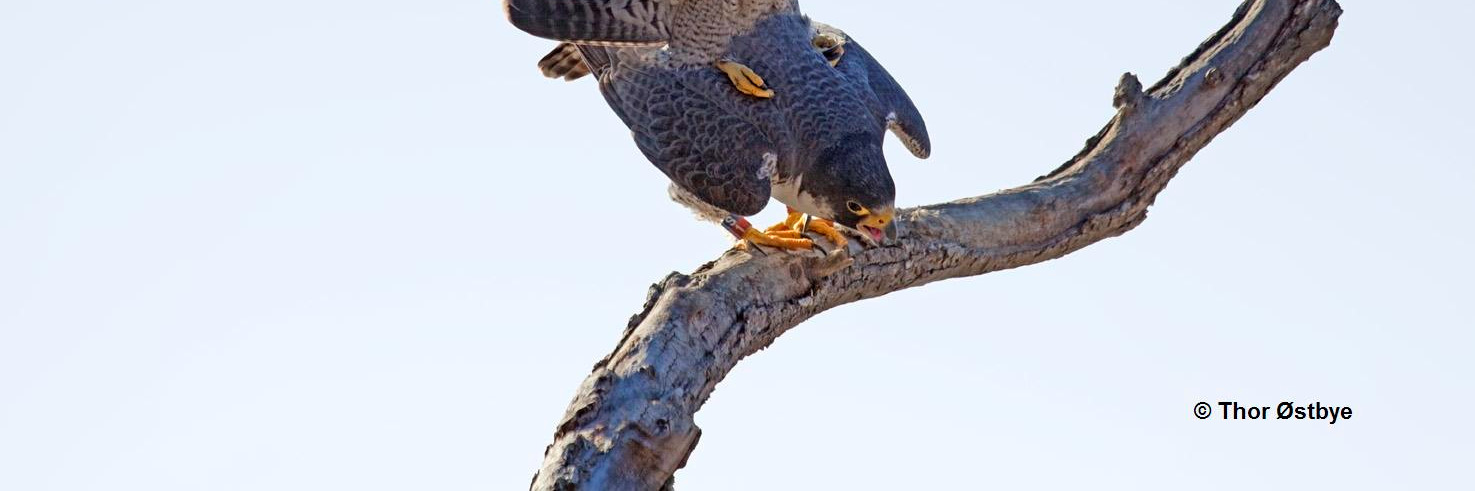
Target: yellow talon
{"x": 794, "y": 227}
{"x": 745, "y": 79}
{"x": 775, "y": 240}
{"x": 827, "y": 229}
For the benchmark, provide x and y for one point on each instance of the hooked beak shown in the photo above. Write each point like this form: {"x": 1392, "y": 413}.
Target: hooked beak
{"x": 880, "y": 227}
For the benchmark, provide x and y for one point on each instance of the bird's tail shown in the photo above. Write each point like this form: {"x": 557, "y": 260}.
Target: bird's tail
{"x": 564, "y": 62}
{"x": 602, "y": 22}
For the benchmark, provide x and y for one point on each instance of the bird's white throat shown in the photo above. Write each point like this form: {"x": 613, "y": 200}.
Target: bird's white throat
{"x": 787, "y": 192}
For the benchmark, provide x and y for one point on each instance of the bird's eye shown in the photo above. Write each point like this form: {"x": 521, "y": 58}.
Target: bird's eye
{"x": 856, "y": 208}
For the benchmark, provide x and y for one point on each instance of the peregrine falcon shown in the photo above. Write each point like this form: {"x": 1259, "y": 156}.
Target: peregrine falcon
{"x": 815, "y": 145}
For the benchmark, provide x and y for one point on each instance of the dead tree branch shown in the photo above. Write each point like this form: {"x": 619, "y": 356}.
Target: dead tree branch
{"x": 631, "y": 425}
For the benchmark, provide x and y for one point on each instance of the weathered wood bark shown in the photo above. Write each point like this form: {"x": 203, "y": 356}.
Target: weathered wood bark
{"x": 631, "y": 425}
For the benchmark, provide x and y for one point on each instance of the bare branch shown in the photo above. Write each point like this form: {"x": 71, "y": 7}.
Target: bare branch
{"x": 631, "y": 425}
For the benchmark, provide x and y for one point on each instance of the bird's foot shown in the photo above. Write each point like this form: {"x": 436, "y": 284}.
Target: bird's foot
{"x": 798, "y": 223}
{"x": 748, "y": 237}
{"x": 781, "y": 240}
{"x": 827, "y": 229}
{"x": 745, "y": 79}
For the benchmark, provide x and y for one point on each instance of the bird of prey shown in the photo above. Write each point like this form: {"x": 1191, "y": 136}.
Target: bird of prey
{"x": 814, "y": 144}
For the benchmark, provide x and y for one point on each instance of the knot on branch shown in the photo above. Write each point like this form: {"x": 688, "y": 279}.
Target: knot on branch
{"x": 823, "y": 267}
{"x": 1129, "y": 95}
{"x": 1213, "y": 78}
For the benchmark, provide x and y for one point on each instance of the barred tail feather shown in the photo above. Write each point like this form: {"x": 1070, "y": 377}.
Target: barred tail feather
{"x": 564, "y": 62}
{"x": 602, "y": 22}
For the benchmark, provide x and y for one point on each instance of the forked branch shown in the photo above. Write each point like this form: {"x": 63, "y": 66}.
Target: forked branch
{"x": 631, "y": 425}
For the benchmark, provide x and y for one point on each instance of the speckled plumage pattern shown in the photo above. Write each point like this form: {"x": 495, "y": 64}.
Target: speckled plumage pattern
{"x": 825, "y": 126}
{"x": 816, "y": 145}
{"x": 901, "y": 115}
{"x": 691, "y": 125}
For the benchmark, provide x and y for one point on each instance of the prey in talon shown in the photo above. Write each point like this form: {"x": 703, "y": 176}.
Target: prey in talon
{"x": 817, "y": 149}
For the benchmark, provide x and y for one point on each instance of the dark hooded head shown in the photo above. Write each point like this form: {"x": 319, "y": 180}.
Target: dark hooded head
{"x": 851, "y": 185}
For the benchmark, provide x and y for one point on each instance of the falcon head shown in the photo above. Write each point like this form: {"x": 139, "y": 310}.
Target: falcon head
{"x": 851, "y": 185}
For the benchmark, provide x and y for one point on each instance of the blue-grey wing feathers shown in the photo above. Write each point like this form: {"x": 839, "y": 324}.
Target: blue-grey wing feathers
{"x": 900, "y": 114}
{"x": 703, "y": 146}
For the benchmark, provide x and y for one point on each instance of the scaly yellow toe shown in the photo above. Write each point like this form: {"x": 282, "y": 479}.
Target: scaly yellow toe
{"x": 745, "y": 79}
{"x": 772, "y": 240}
{"x": 827, "y": 229}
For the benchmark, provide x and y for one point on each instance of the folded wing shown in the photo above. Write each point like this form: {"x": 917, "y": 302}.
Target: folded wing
{"x": 683, "y": 121}
{"x": 895, "y": 107}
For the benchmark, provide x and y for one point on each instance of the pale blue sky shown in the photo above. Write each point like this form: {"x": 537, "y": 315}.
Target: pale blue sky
{"x": 331, "y": 244}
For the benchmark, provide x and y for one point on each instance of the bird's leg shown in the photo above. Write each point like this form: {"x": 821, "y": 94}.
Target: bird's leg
{"x": 740, "y": 227}
{"x": 792, "y": 227}
{"x": 745, "y": 79}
